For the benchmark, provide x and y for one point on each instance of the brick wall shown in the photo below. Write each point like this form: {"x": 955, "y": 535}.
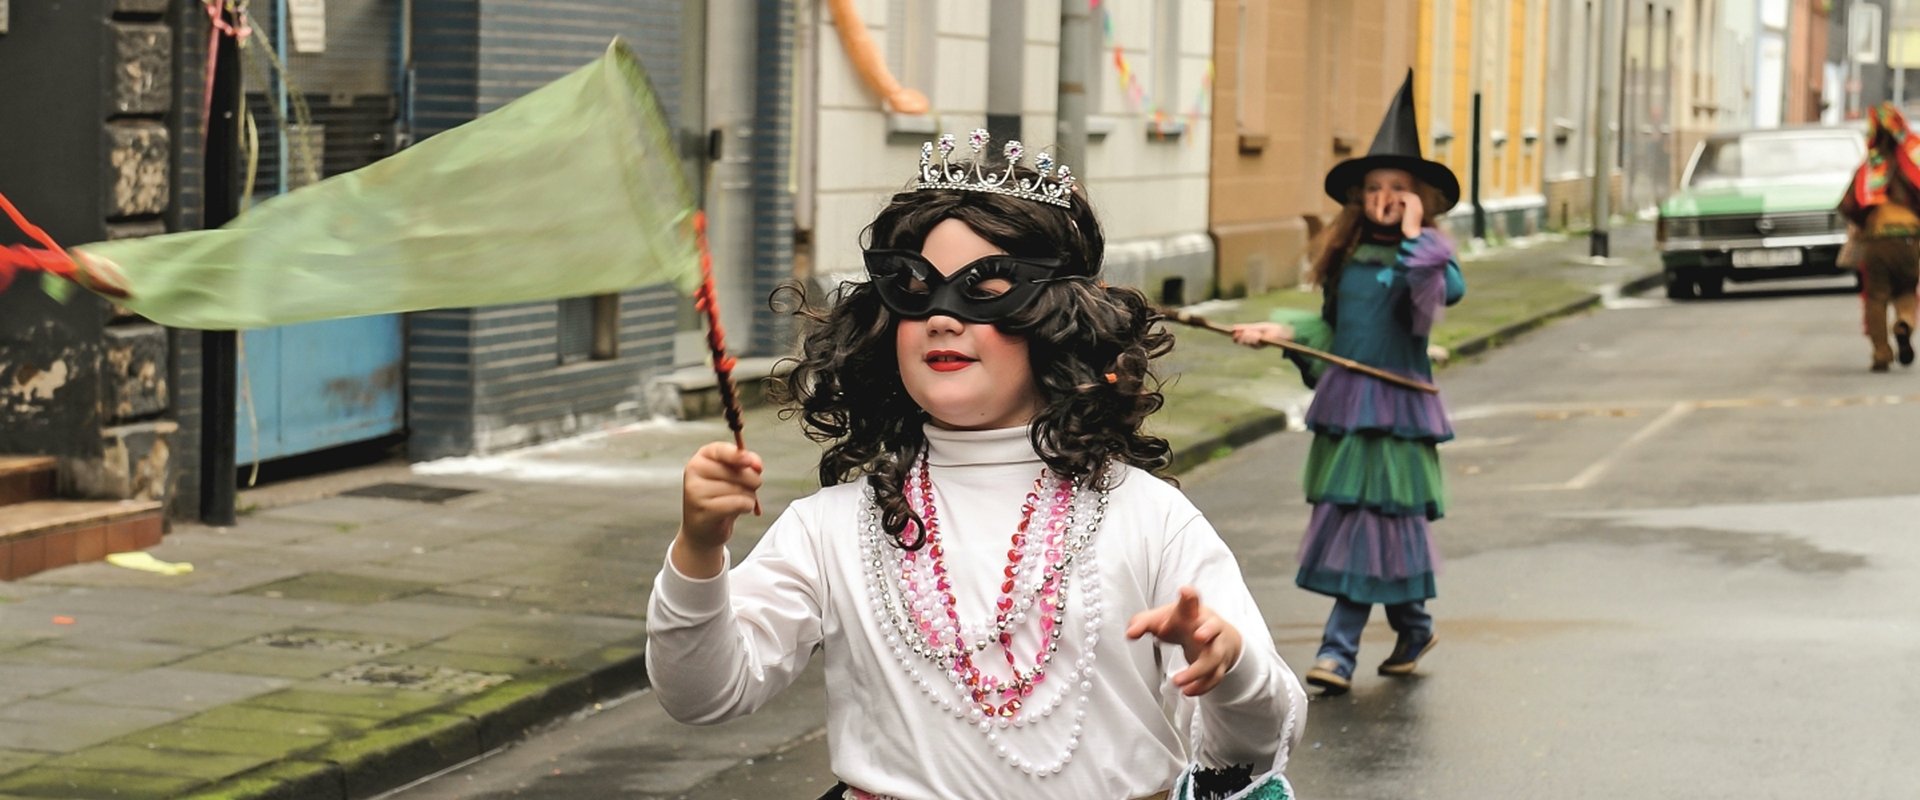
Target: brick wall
{"x": 480, "y": 380}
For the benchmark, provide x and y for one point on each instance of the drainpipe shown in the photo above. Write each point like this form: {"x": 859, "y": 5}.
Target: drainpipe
{"x": 729, "y": 181}
{"x": 220, "y": 349}
{"x": 1076, "y": 39}
{"x": 1602, "y": 135}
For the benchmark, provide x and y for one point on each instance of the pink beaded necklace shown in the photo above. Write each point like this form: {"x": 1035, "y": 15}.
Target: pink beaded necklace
{"x": 927, "y": 583}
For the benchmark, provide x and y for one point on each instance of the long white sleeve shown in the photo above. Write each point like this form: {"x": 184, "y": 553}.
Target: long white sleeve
{"x": 722, "y": 647}
{"x": 1258, "y": 711}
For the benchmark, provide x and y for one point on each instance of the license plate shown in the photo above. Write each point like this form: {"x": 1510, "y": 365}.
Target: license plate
{"x": 1768, "y": 258}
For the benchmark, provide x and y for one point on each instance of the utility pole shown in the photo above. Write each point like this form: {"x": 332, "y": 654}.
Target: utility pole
{"x": 1479, "y": 211}
{"x": 1602, "y": 133}
{"x": 220, "y": 352}
{"x": 1076, "y": 45}
{"x": 728, "y": 194}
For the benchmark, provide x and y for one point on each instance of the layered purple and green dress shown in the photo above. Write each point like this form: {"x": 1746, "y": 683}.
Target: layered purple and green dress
{"x": 1373, "y": 473}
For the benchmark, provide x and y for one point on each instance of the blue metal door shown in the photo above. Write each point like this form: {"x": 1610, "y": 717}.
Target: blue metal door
{"x": 319, "y": 385}
{"x": 334, "y": 109}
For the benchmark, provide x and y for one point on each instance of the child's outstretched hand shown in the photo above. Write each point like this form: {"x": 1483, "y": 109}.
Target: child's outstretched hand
{"x": 1252, "y": 334}
{"x": 718, "y": 487}
{"x": 1212, "y": 644}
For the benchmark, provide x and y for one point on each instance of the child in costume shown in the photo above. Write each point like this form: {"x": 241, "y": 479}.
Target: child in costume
{"x": 1373, "y": 472}
{"x": 991, "y": 550}
{"x": 1881, "y": 202}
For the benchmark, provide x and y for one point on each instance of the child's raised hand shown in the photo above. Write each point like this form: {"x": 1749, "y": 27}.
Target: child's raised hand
{"x": 1412, "y": 212}
{"x": 1252, "y": 334}
{"x": 1212, "y": 645}
{"x": 719, "y": 485}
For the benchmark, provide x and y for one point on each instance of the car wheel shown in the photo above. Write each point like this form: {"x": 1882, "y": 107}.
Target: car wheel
{"x": 1710, "y": 287}
{"x": 1679, "y": 289}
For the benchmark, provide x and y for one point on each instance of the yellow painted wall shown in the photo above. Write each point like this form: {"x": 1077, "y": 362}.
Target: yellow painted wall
{"x": 1516, "y": 168}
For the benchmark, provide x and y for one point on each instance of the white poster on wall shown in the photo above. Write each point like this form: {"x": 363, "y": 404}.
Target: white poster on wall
{"x": 307, "y": 25}
{"x": 1770, "y": 84}
{"x": 1833, "y": 100}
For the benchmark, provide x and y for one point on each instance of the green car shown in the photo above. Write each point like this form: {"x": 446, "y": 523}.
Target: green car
{"x": 1758, "y": 205}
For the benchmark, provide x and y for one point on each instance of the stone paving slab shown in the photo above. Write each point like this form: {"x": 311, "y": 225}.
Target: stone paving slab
{"x": 171, "y": 689}
{"x": 51, "y": 727}
{"x": 21, "y": 681}
{"x": 75, "y": 784}
{"x": 123, "y": 655}
{"x": 16, "y": 760}
{"x": 263, "y": 661}
{"x": 203, "y": 766}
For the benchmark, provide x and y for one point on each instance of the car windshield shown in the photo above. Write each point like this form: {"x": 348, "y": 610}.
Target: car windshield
{"x": 1775, "y": 156}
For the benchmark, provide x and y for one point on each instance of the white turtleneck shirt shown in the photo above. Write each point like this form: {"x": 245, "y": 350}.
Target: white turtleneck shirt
{"x": 720, "y": 648}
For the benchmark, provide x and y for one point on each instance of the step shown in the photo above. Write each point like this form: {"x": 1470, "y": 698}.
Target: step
{"x": 24, "y": 478}
{"x": 694, "y": 392}
{"x": 39, "y": 535}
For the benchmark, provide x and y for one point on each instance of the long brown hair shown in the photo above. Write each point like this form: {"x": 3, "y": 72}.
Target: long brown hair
{"x": 1335, "y": 245}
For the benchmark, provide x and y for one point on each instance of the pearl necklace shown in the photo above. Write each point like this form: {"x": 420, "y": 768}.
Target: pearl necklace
{"x": 913, "y": 597}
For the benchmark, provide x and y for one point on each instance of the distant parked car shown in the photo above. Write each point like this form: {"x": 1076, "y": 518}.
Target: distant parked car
{"x": 1758, "y": 205}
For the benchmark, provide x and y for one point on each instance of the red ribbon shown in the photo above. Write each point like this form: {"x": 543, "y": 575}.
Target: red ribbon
{"x": 14, "y": 258}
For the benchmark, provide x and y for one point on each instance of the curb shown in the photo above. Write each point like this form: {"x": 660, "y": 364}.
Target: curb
{"x": 419, "y": 745}
{"x": 1485, "y": 342}
{"x": 450, "y": 735}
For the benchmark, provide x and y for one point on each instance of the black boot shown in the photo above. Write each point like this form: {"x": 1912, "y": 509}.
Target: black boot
{"x": 1903, "y": 339}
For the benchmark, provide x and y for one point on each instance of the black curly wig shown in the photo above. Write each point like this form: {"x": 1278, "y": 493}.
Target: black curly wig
{"x": 1090, "y": 346}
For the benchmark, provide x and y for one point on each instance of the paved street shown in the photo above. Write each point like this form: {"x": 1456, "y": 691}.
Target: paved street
{"x": 1680, "y": 564}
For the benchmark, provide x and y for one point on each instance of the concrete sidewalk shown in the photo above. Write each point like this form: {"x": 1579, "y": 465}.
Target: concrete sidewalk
{"x": 415, "y": 618}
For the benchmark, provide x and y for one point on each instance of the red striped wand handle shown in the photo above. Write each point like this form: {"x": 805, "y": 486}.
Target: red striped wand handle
{"x": 708, "y": 302}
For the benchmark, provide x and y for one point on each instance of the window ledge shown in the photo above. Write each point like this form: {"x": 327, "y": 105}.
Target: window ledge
{"x": 1099, "y": 125}
{"x": 911, "y": 123}
{"x": 1165, "y": 130}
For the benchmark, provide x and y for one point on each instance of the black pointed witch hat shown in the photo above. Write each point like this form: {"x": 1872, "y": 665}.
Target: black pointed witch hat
{"x": 1396, "y": 146}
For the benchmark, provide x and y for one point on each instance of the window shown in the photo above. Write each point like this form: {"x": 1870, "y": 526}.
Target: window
{"x": 1535, "y": 83}
{"x": 1251, "y": 69}
{"x": 1440, "y": 84}
{"x": 1863, "y": 33}
{"x": 588, "y": 328}
{"x": 1166, "y": 69}
{"x": 913, "y": 28}
{"x": 1699, "y": 45}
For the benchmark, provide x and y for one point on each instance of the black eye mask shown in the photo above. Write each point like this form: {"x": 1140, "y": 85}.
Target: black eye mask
{"x": 913, "y": 288}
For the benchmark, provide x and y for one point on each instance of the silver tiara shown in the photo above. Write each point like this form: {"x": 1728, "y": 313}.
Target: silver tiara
{"x": 1051, "y": 187}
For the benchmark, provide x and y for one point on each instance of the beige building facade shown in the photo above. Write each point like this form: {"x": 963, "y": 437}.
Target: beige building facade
{"x": 1300, "y": 86}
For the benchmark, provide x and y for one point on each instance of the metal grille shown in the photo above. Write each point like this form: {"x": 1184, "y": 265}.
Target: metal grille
{"x": 576, "y": 329}
{"x": 1772, "y": 225}
{"x": 347, "y": 87}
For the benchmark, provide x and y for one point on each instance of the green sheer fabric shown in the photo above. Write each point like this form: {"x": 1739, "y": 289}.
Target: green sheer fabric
{"x": 572, "y": 190}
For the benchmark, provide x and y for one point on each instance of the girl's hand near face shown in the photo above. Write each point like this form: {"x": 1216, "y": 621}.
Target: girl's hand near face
{"x": 1412, "y": 211}
{"x": 719, "y": 485}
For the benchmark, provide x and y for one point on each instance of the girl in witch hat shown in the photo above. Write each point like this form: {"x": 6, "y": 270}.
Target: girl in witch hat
{"x": 1373, "y": 473}
{"x": 1881, "y": 202}
{"x": 1008, "y": 601}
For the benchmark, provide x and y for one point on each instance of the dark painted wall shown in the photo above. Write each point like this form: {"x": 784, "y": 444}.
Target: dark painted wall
{"x": 55, "y": 57}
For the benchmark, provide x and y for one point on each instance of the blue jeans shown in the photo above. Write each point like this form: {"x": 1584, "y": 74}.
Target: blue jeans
{"x": 1341, "y": 642}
